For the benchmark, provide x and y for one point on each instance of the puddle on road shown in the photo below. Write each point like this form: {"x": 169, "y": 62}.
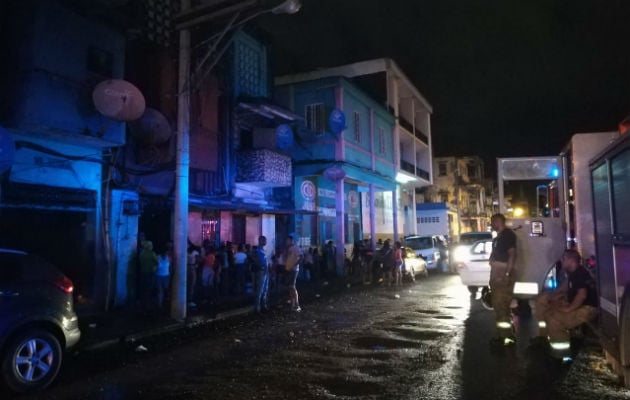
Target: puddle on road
{"x": 382, "y": 343}
{"x": 345, "y": 387}
{"x": 444, "y": 317}
{"x": 377, "y": 370}
{"x": 453, "y": 307}
{"x": 416, "y": 334}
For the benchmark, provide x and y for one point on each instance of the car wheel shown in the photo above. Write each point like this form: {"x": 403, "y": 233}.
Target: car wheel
{"x": 473, "y": 289}
{"x": 32, "y": 360}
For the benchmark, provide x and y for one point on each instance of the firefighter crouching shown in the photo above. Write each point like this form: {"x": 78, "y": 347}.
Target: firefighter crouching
{"x": 502, "y": 262}
{"x": 567, "y": 307}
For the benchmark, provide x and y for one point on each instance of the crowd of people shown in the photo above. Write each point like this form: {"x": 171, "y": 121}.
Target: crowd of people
{"x": 230, "y": 271}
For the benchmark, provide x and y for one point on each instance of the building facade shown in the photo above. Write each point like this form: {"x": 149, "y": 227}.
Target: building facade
{"x": 52, "y": 200}
{"x": 80, "y": 187}
{"x": 388, "y": 85}
{"x": 337, "y": 174}
{"x": 460, "y": 183}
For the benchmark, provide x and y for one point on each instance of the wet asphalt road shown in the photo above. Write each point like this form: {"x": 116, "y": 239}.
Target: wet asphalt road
{"x": 427, "y": 340}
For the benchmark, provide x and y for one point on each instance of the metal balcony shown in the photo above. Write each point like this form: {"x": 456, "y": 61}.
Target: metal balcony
{"x": 412, "y": 169}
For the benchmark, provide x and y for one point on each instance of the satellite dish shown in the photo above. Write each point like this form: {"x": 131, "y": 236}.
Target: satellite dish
{"x": 337, "y": 121}
{"x": 118, "y": 100}
{"x": 7, "y": 150}
{"x": 152, "y": 128}
{"x": 284, "y": 136}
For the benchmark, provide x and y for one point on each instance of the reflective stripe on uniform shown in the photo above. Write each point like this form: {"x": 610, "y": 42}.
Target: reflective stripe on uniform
{"x": 526, "y": 288}
{"x": 560, "y": 345}
{"x": 504, "y": 325}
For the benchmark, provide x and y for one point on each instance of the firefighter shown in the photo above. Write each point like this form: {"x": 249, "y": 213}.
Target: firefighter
{"x": 502, "y": 268}
{"x": 569, "y": 306}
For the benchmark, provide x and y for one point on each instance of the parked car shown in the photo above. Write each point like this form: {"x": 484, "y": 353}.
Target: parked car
{"x": 37, "y": 320}
{"x": 474, "y": 268}
{"x": 413, "y": 265}
{"x": 459, "y": 251}
{"x": 432, "y": 248}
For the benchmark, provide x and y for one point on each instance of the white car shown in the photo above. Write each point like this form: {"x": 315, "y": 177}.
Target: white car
{"x": 459, "y": 251}
{"x": 474, "y": 266}
{"x": 431, "y": 248}
{"x": 413, "y": 265}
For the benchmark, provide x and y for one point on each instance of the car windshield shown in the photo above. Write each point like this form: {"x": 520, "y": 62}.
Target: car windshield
{"x": 473, "y": 237}
{"x": 419, "y": 243}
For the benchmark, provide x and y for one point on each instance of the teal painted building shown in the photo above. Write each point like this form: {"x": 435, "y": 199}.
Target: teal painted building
{"x": 333, "y": 172}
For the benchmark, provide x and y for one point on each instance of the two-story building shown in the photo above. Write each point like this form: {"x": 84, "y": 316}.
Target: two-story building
{"x": 388, "y": 85}
{"x": 334, "y": 171}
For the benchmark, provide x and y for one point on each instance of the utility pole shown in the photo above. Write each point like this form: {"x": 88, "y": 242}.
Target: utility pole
{"x": 186, "y": 19}
{"x": 180, "y": 229}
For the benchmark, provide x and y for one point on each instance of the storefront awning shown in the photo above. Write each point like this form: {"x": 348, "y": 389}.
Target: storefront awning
{"x": 363, "y": 177}
{"x": 262, "y": 112}
{"x": 199, "y": 203}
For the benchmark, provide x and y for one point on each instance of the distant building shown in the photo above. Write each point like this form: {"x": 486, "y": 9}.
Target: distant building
{"x": 437, "y": 219}
{"x": 460, "y": 183}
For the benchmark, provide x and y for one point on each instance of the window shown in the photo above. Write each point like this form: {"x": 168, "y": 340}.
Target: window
{"x": 442, "y": 169}
{"x": 314, "y": 115}
{"x": 381, "y": 140}
{"x": 471, "y": 170}
{"x": 482, "y": 248}
{"x": 357, "y": 127}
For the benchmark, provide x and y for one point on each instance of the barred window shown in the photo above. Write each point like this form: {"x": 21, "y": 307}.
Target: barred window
{"x": 314, "y": 115}
{"x": 357, "y": 127}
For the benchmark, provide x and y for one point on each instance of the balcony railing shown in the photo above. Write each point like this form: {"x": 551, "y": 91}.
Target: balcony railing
{"x": 423, "y": 174}
{"x": 203, "y": 182}
{"x": 412, "y": 169}
{"x": 416, "y": 132}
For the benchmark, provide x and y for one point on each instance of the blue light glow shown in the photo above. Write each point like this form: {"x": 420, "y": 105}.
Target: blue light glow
{"x": 555, "y": 172}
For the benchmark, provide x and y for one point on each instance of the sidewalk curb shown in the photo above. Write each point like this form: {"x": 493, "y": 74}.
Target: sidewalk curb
{"x": 190, "y": 323}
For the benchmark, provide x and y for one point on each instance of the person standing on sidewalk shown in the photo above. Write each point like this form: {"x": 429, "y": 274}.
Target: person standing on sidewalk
{"x": 240, "y": 262}
{"x": 260, "y": 271}
{"x": 148, "y": 268}
{"x": 330, "y": 257}
{"x": 502, "y": 268}
{"x": 191, "y": 278}
{"x": 163, "y": 277}
{"x": 398, "y": 263}
{"x": 291, "y": 259}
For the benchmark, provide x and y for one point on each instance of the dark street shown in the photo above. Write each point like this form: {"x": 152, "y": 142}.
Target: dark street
{"x": 427, "y": 340}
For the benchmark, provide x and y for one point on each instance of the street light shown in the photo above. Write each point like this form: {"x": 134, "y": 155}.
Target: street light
{"x": 182, "y": 155}
{"x": 288, "y": 7}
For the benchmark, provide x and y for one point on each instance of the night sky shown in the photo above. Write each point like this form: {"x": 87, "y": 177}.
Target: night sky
{"x": 505, "y": 77}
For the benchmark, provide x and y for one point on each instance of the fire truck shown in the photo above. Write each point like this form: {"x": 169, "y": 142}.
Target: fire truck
{"x": 579, "y": 199}
{"x": 610, "y": 182}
